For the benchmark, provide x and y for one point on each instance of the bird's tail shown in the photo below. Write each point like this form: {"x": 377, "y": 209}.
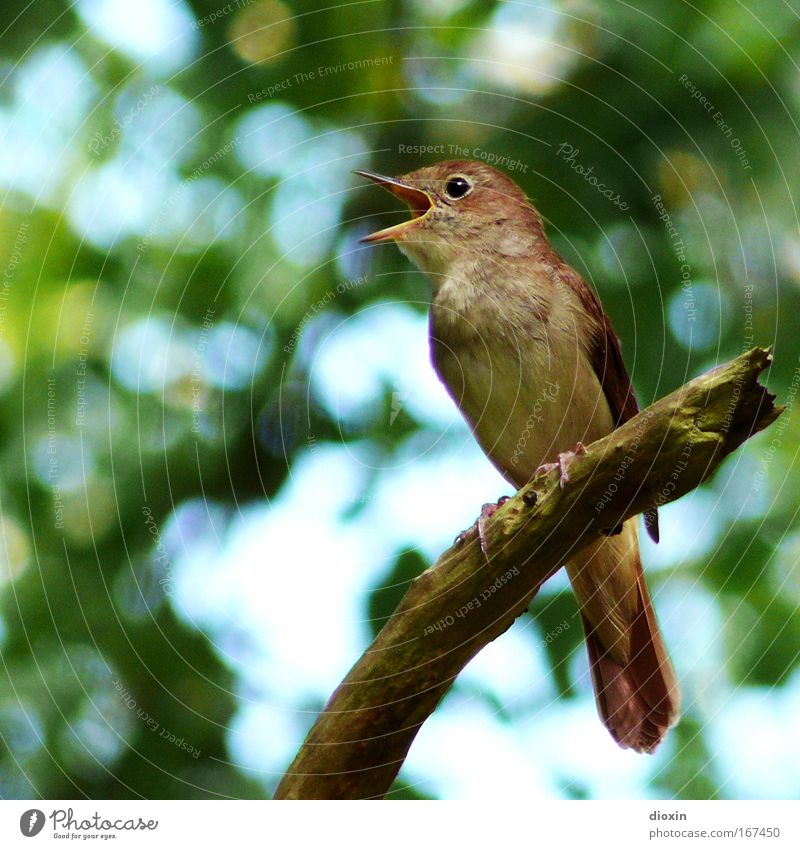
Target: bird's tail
{"x": 635, "y": 685}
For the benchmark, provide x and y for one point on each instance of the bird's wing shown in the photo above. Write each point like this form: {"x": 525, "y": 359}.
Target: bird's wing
{"x": 606, "y": 359}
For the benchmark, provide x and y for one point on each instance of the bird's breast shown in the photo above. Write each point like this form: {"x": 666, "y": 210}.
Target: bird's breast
{"x": 518, "y": 373}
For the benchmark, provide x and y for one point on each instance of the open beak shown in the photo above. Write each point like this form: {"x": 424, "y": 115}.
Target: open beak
{"x": 419, "y": 203}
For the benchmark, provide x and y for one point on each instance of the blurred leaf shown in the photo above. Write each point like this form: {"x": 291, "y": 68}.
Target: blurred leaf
{"x": 385, "y": 597}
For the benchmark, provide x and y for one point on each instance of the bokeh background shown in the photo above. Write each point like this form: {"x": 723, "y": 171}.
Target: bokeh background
{"x": 223, "y": 452}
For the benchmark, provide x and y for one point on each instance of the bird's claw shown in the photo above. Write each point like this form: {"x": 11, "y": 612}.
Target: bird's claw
{"x": 487, "y": 511}
{"x": 563, "y": 460}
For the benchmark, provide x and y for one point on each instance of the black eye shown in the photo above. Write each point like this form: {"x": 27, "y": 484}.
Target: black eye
{"x": 457, "y": 187}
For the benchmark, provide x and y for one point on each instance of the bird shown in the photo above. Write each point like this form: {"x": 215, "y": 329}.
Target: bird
{"x": 523, "y": 346}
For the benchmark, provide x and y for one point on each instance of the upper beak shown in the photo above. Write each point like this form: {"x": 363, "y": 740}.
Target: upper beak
{"x": 418, "y": 201}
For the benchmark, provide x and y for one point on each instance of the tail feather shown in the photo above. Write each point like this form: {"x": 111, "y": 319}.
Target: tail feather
{"x": 638, "y": 700}
{"x": 635, "y": 686}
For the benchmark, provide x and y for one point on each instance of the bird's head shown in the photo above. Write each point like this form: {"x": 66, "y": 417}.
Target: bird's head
{"x": 460, "y": 210}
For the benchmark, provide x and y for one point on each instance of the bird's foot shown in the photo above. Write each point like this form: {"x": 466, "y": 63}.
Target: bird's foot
{"x": 563, "y": 460}
{"x": 487, "y": 511}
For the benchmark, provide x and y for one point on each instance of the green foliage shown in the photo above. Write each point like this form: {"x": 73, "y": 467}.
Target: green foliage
{"x": 383, "y": 600}
{"x": 552, "y": 613}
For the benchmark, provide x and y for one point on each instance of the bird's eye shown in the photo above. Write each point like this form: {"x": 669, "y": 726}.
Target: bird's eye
{"x": 457, "y": 187}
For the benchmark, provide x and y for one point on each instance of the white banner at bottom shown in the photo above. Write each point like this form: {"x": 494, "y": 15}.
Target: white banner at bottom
{"x": 401, "y": 824}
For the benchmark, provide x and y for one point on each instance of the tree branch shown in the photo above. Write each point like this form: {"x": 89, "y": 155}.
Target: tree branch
{"x": 461, "y": 603}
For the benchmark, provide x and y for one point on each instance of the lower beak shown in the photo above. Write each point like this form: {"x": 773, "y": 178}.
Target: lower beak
{"x": 419, "y": 203}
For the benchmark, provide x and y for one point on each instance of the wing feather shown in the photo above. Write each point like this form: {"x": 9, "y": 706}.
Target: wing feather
{"x": 606, "y": 359}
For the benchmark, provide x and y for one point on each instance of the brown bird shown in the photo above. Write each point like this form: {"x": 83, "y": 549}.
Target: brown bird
{"x": 530, "y": 358}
